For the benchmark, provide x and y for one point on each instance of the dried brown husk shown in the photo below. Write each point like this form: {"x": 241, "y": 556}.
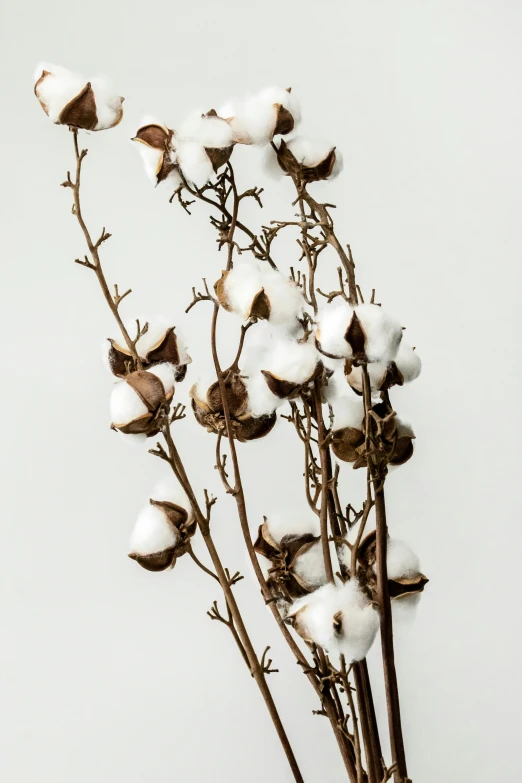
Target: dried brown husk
{"x": 159, "y": 561}
{"x": 235, "y": 393}
{"x": 291, "y": 166}
{"x": 152, "y": 393}
{"x": 284, "y": 121}
{"x": 345, "y": 443}
{"x": 284, "y": 556}
{"x": 80, "y": 112}
{"x": 219, "y": 156}
{"x": 249, "y": 427}
{"x": 158, "y": 137}
{"x": 120, "y": 360}
{"x": 398, "y": 587}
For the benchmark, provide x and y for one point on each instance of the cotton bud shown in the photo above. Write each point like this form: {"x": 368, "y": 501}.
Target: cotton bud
{"x": 258, "y": 118}
{"x": 340, "y": 619}
{"x": 296, "y": 556}
{"x": 290, "y": 366}
{"x": 366, "y": 333}
{"x": 308, "y": 159}
{"x": 253, "y": 290}
{"x": 159, "y": 345}
{"x": 70, "y": 99}
{"x": 162, "y": 532}
{"x": 405, "y": 578}
{"x": 136, "y": 403}
{"x": 208, "y": 407}
{"x": 155, "y": 146}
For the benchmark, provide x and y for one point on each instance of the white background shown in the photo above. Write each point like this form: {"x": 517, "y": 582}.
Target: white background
{"x": 110, "y": 673}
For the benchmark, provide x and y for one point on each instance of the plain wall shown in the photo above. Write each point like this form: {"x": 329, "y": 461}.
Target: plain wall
{"x": 110, "y": 673}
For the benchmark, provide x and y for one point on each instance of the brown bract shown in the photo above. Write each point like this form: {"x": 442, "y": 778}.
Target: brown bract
{"x": 259, "y": 307}
{"x": 291, "y": 166}
{"x": 165, "y": 350}
{"x": 178, "y": 518}
{"x": 391, "y": 441}
{"x": 152, "y": 394}
{"x": 282, "y": 577}
{"x": 285, "y": 389}
{"x": 209, "y": 411}
{"x": 80, "y": 111}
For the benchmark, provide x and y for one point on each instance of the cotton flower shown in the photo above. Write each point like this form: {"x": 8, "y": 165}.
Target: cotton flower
{"x": 70, "y": 99}
{"x": 254, "y": 290}
{"x": 137, "y": 401}
{"x": 208, "y": 408}
{"x": 340, "y": 619}
{"x": 163, "y": 529}
{"x": 309, "y": 159}
{"x": 405, "y": 578}
{"x": 294, "y": 548}
{"x": 158, "y": 345}
{"x": 363, "y": 333}
{"x": 257, "y": 118}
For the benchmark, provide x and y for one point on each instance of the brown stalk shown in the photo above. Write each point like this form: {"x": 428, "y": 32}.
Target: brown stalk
{"x": 235, "y": 621}
{"x": 377, "y": 475}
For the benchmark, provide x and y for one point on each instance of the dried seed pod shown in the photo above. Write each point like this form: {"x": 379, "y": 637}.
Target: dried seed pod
{"x": 155, "y": 146}
{"x": 121, "y": 362}
{"x": 404, "y": 575}
{"x": 258, "y": 306}
{"x": 70, "y": 99}
{"x": 308, "y": 160}
{"x": 136, "y": 402}
{"x": 345, "y": 443}
{"x": 162, "y": 532}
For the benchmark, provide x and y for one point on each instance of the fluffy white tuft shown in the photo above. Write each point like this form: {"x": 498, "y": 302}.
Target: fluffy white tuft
{"x": 152, "y": 532}
{"x": 261, "y": 401}
{"x": 125, "y": 404}
{"x": 291, "y": 360}
{"x": 165, "y": 372}
{"x": 242, "y": 284}
{"x": 247, "y": 278}
{"x": 157, "y": 326}
{"x": 310, "y": 152}
{"x": 170, "y": 490}
{"x": 206, "y": 131}
{"x": 309, "y": 566}
{"x": 408, "y": 362}
{"x": 401, "y": 560}
{"x": 58, "y": 88}
{"x": 360, "y": 620}
{"x": 194, "y": 162}
{"x": 332, "y": 324}
{"x": 253, "y": 119}
{"x": 152, "y": 159}
{"x": 281, "y": 523}
{"x": 108, "y": 104}
{"x": 383, "y": 332}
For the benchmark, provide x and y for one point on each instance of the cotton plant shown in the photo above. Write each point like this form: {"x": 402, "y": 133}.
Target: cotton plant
{"x": 326, "y": 364}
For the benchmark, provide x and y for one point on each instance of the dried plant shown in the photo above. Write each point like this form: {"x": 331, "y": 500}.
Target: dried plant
{"x": 323, "y": 361}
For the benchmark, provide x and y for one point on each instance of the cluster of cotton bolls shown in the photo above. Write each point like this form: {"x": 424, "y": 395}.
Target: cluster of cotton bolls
{"x": 71, "y": 99}
{"x": 163, "y": 528}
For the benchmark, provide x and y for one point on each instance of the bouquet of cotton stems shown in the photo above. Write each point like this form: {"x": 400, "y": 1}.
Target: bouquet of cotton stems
{"x": 329, "y": 573}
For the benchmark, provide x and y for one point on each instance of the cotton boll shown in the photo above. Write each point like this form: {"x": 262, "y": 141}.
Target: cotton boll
{"x": 57, "y": 89}
{"x": 309, "y": 566}
{"x": 408, "y": 362}
{"x": 401, "y": 560}
{"x": 256, "y": 118}
{"x": 125, "y": 404}
{"x": 157, "y": 326}
{"x": 152, "y": 533}
{"x": 285, "y": 98}
{"x": 291, "y": 360}
{"x": 309, "y": 152}
{"x": 241, "y": 285}
{"x": 194, "y": 162}
{"x": 165, "y": 372}
{"x": 283, "y": 523}
{"x": 170, "y": 490}
{"x": 383, "y": 332}
{"x": 332, "y": 324}
{"x": 285, "y": 296}
{"x": 206, "y": 130}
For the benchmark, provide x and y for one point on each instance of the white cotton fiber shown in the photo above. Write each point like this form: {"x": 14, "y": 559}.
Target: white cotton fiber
{"x": 286, "y": 298}
{"x": 253, "y": 119}
{"x": 169, "y": 489}
{"x": 165, "y": 372}
{"x": 376, "y": 374}
{"x": 241, "y": 285}
{"x": 108, "y": 104}
{"x": 401, "y": 560}
{"x": 261, "y": 401}
{"x": 152, "y": 532}
{"x": 360, "y": 620}
{"x": 347, "y": 411}
{"x": 152, "y": 160}
{"x": 383, "y": 332}
{"x": 125, "y": 404}
{"x": 194, "y": 162}
{"x": 309, "y": 566}
{"x": 288, "y": 523}
{"x": 290, "y": 360}
{"x": 332, "y": 324}
{"x": 206, "y": 131}
{"x": 157, "y": 327}
{"x": 408, "y": 362}
{"x": 58, "y": 88}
